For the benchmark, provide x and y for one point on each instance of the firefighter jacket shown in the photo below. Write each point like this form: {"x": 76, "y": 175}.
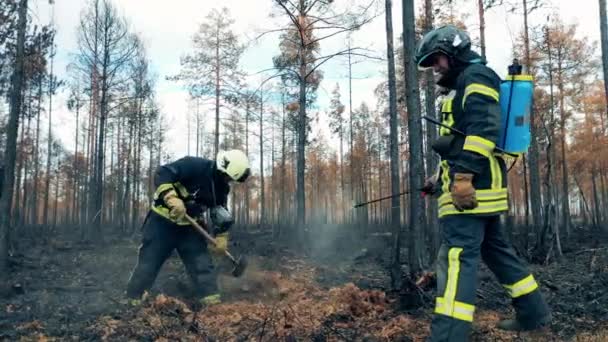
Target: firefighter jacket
{"x": 472, "y": 107}
{"x": 196, "y": 182}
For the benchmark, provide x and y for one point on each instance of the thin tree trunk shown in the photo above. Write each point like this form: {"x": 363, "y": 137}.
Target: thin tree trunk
{"x": 262, "y": 190}
{"x": 565, "y": 189}
{"x": 23, "y": 220}
{"x": 17, "y": 83}
{"x": 50, "y": 140}
{"x": 216, "y": 146}
{"x": 394, "y": 151}
{"x": 602, "y": 201}
{"x": 34, "y": 212}
{"x": 301, "y": 145}
{"x": 283, "y": 214}
{"x": 526, "y": 195}
{"x": 604, "y": 39}
{"x": 597, "y": 214}
{"x": 198, "y": 127}
{"x": 56, "y": 200}
{"x": 482, "y": 27}
{"x": 535, "y": 187}
{"x": 247, "y": 191}
{"x": 552, "y": 159}
{"x": 75, "y": 173}
{"x": 416, "y": 170}
{"x": 350, "y": 111}
{"x": 431, "y": 136}
{"x": 17, "y": 208}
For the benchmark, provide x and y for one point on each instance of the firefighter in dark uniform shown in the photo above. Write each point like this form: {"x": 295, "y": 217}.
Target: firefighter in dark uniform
{"x": 189, "y": 185}
{"x": 472, "y": 183}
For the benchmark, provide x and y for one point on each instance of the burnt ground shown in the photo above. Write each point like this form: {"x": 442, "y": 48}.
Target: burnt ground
{"x": 67, "y": 290}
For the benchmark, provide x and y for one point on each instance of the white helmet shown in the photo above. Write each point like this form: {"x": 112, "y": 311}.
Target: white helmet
{"x": 234, "y": 163}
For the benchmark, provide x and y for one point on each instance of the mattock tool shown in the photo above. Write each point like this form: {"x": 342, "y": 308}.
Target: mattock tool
{"x": 239, "y": 264}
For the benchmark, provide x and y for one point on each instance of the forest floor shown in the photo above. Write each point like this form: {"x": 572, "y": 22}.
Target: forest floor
{"x": 334, "y": 290}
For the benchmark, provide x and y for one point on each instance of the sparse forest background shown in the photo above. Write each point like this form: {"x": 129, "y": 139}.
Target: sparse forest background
{"x": 312, "y": 162}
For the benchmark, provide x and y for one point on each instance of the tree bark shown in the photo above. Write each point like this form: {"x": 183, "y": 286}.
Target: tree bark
{"x": 17, "y": 82}
{"x": 565, "y": 188}
{"x": 248, "y": 103}
{"x": 431, "y": 135}
{"x": 604, "y": 39}
{"x": 394, "y": 150}
{"x": 283, "y": 163}
{"x": 416, "y": 172}
{"x": 350, "y": 122}
{"x": 482, "y": 27}
{"x": 262, "y": 190}
{"x": 34, "y": 212}
{"x": 216, "y": 145}
{"x": 535, "y": 187}
{"x": 301, "y": 146}
{"x": 47, "y": 183}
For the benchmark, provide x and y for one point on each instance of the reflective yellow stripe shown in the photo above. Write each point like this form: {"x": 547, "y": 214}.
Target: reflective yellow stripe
{"x": 453, "y": 273}
{"x": 520, "y": 78}
{"x": 522, "y": 287}
{"x": 164, "y": 212}
{"x": 162, "y": 188}
{"x": 447, "y": 117}
{"x": 482, "y": 208}
{"x": 447, "y": 305}
{"x": 479, "y": 89}
{"x": 496, "y": 173}
{"x": 479, "y": 145}
{"x": 481, "y": 195}
{"x": 445, "y": 177}
{"x": 460, "y": 310}
{"x": 446, "y": 106}
{"x": 463, "y": 311}
{"x": 448, "y": 121}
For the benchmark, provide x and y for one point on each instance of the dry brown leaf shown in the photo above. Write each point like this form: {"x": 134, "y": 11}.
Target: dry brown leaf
{"x": 34, "y": 325}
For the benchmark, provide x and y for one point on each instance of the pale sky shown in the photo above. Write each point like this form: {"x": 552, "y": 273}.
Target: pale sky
{"x": 167, "y": 27}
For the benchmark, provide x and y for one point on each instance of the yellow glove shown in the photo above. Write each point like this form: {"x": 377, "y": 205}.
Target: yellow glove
{"x": 463, "y": 192}
{"x": 221, "y": 246}
{"x": 177, "y": 209}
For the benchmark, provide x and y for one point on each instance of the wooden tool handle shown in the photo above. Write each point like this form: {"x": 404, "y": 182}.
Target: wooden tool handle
{"x": 207, "y": 236}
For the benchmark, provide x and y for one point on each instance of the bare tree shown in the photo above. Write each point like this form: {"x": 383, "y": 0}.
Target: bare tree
{"x": 11, "y": 142}
{"x": 213, "y": 66}
{"x": 416, "y": 171}
{"x": 394, "y": 147}
{"x": 105, "y": 48}
{"x": 604, "y": 39}
{"x": 300, "y": 60}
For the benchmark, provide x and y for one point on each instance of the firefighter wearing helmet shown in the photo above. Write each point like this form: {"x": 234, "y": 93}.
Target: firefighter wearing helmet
{"x": 471, "y": 184}
{"x": 190, "y": 185}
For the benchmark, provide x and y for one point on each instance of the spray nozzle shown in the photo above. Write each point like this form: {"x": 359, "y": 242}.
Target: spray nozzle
{"x": 515, "y": 68}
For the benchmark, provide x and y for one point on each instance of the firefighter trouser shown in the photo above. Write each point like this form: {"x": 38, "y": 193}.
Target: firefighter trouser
{"x": 160, "y": 238}
{"x": 466, "y": 238}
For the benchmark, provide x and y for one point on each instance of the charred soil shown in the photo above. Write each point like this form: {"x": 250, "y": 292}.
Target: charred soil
{"x": 336, "y": 290}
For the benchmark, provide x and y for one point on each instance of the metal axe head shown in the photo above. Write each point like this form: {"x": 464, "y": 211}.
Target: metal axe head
{"x": 240, "y": 265}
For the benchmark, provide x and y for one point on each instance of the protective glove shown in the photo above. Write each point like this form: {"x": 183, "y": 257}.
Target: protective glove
{"x": 222, "y": 244}
{"x": 177, "y": 208}
{"x": 463, "y": 192}
{"x": 429, "y": 185}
